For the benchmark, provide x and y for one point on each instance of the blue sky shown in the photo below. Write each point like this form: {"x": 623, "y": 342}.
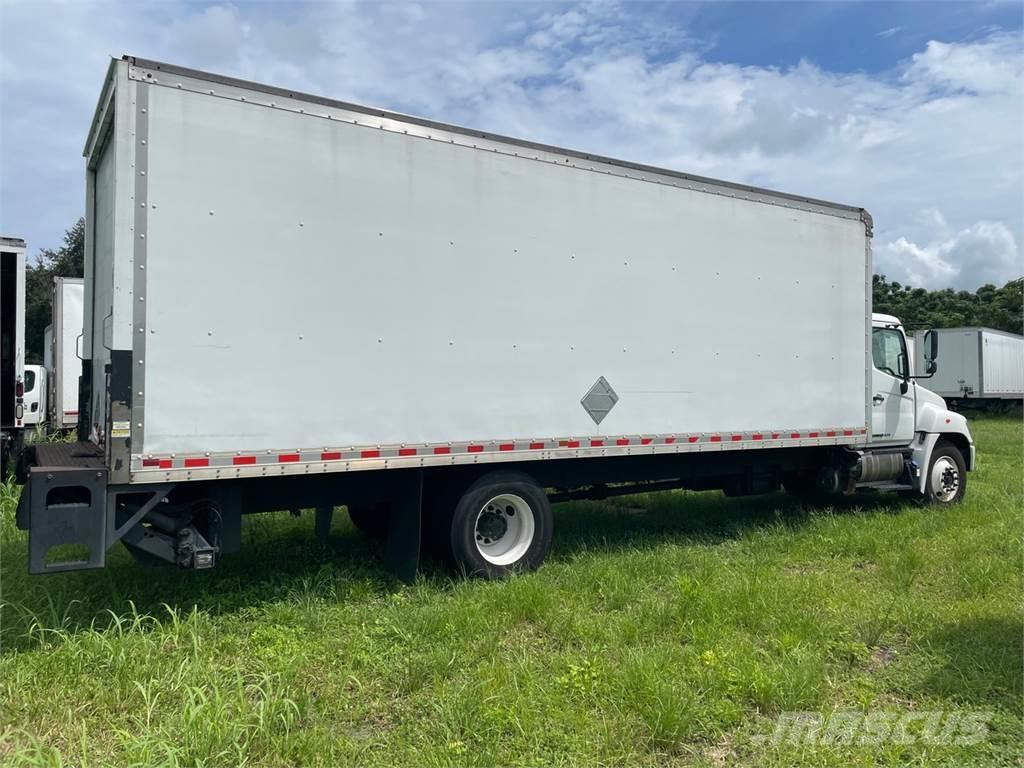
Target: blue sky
{"x": 912, "y": 109}
{"x": 840, "y": 36}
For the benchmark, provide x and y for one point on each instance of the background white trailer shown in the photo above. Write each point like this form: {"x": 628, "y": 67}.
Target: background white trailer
{"x": 65, "y": 365}
{"x": 977, "y": 363}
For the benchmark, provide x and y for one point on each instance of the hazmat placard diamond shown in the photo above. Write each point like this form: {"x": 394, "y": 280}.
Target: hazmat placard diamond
{"x": 599, "y": 400}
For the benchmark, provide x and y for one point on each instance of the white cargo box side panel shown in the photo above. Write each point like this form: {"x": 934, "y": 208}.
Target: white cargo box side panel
{"x": 110, "y": 206}
{"x": 958, "y": 366}
{"x": 102, "y": 278}
{"x": 1002, "y": 358}
{"x": 69, "y": 318}
{"x": 315, "y": 283}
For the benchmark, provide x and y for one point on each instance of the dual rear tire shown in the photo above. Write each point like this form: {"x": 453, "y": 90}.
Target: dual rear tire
{"x": 371, "y": 519}
{"x": 500, "y": 524}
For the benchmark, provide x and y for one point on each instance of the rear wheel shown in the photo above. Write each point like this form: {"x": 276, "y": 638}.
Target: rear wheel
{"x": 371, "y": 519}
{"x": 501, "y": 524}
{"x": 801, "y": 483}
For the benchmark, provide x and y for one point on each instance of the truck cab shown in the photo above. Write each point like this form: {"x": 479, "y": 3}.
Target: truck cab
{"x": 35, "y": 395}
{"x": 907, "y": 416}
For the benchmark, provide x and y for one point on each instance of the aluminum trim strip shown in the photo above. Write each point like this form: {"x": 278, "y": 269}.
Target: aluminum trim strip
{"x": 150, "y": 468}
{"x": 141, "y": 202}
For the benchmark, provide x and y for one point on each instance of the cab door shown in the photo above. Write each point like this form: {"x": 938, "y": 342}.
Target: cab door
{"x": 35, "y": 395}
{"x": 892, "y": 409}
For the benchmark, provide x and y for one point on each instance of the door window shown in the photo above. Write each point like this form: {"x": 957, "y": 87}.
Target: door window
{"x": 889, "y": 351}
{"x": 30, "y": 381}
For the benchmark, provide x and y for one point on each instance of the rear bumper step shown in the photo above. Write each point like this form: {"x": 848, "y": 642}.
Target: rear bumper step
{"x": 64, "y": 510}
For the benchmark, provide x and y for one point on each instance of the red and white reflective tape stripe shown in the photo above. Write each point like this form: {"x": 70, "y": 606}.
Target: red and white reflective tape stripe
{"x": 592, "y": 446}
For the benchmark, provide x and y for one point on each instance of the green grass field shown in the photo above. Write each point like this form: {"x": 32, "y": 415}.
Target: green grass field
{"x": 672, "y": 629}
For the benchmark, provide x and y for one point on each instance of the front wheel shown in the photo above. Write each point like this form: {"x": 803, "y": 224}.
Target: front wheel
{"x": 946, "y": 482}
{"x": 501, "y": 524}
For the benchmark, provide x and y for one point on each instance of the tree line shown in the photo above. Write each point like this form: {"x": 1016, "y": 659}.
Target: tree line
{"x": 68, "y": 260}
{"x": 918, "y": 308}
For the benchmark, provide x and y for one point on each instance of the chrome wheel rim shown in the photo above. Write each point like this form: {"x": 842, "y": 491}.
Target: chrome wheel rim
{"x": 945, "y": 479}
{"x": 504, "y": 529}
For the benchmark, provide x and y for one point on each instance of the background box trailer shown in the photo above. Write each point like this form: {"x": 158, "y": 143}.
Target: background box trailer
{"x": 12, "y": 347}
{"x": 65, "y": 366}
{"x": 51, "y": 389}
{"x": 979, "y": 364}
{"x": 293, "y": 302}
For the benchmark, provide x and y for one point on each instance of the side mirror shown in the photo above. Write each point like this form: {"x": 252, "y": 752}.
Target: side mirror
{"x": 931, "y": 346}
{"x": 931, "y": 352}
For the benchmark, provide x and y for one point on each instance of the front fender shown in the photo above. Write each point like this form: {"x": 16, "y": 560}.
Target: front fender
{"x": 932, "y": 418}
{"x": 933, "y": 423}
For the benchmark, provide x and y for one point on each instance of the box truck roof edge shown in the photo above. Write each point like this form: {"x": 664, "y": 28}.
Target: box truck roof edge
{"x": 703, "y": 183}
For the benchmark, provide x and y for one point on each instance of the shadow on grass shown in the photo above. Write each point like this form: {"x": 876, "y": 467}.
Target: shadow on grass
{"x": 981, "y": 661}
{"x": 687, "y": 517}
{"x": 281, "y": 561}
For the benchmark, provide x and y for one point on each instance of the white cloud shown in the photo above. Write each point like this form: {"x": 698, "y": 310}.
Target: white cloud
{"x": 985, "y": 252}
{"x": 980, "y": 67}
{"x": 940, "y": 132}
{"x": 889, "y": 32}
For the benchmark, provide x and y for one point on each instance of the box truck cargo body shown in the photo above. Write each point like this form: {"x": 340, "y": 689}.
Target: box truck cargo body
{"x": 979, "y": 364}
{"x": 466, "y": 306}
{"x": 12, "y": 347}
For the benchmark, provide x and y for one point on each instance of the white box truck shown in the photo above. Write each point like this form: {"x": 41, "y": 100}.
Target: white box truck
{"x": 979, "y": 365}
{"x": 12, "y": 349}
{"x": 490, "y": 324}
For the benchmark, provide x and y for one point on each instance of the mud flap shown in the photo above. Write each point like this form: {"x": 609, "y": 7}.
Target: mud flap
{"x": 404, "y": 526}
{"x": 66, "y": 509}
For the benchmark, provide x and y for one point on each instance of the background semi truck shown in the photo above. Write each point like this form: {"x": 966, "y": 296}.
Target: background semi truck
{"x": 979, "y": 365}
{"x": 489, "y": 325}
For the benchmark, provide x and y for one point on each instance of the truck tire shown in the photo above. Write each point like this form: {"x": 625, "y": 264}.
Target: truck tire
{"x": 801, "y": 483}
{"x": 371, "y": 519}
{"x": 946, "y": 481}
{"x": 500, "y": 525}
